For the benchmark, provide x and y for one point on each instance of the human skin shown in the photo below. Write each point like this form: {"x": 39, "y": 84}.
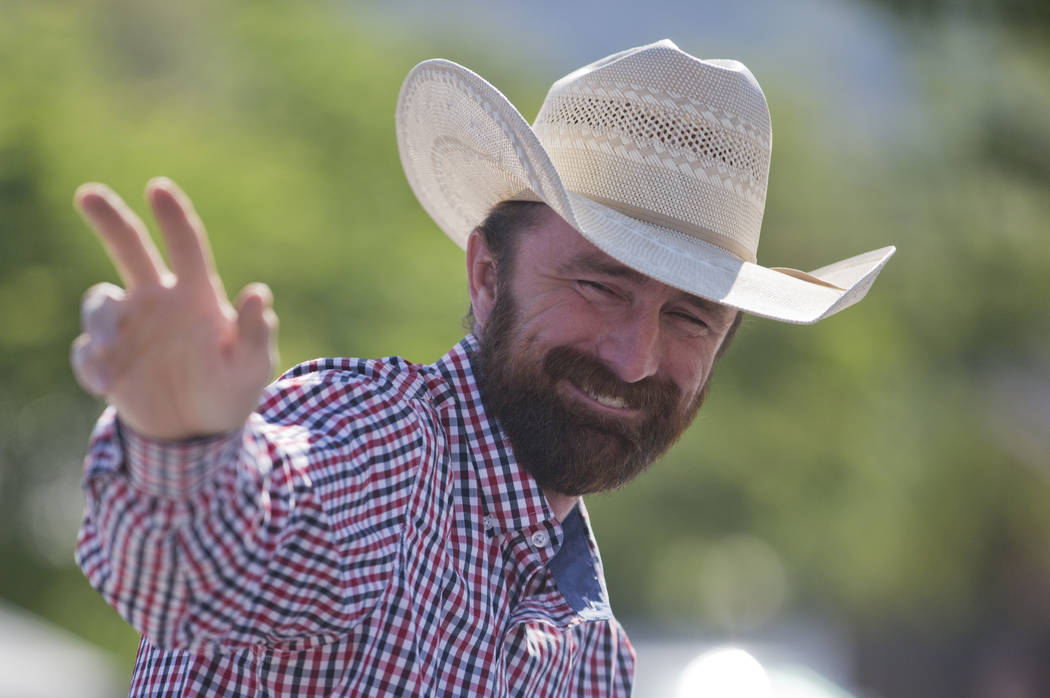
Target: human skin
{"x": 169, "y": 351}
{"x": 570, "y": 293}
{"x": 178, "y": 360}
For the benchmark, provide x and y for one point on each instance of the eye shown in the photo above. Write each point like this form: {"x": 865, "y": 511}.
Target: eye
{"x": 689, "y": 321}
{"x": 595, "y": 288}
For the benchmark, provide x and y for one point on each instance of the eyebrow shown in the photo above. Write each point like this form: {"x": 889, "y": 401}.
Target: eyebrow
{"x": 595, "y": 262}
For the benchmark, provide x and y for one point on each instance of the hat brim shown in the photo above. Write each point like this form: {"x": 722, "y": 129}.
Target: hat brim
{"x": 464, "y": 148}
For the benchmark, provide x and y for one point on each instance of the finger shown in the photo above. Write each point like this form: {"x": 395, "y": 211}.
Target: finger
{"x": 183, "y": 231}
{"x": 256, "y": 321}
{"x": 88, "y": 367}
{"x": 100, "y": 311}
{"x": 257, "y": 330}
{"x": 122, "y": 233}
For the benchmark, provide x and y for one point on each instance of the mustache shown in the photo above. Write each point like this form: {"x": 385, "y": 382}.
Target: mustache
{"x": 652, "y": 394}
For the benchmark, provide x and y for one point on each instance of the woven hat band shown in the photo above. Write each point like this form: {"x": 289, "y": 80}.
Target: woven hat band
{"x": 650, "y": 123}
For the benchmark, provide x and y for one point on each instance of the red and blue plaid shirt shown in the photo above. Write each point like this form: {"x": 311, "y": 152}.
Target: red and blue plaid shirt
{"x": 368, "y": 533}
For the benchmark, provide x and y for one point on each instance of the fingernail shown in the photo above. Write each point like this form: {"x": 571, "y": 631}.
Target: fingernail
{"x": 85, "y": 190}
{"x": 159, "y": 182}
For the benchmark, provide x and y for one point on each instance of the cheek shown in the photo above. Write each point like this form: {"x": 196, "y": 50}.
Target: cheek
{"x": 562, "y": 321}
{"x": 690, "y": 374}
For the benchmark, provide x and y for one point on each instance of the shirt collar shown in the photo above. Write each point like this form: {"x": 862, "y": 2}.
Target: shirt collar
{"x": 511, "y": 495}
{"x": 577, "y": 568}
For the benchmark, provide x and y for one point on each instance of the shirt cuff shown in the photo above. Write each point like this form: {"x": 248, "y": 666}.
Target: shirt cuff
{"x": 176, "y": 469}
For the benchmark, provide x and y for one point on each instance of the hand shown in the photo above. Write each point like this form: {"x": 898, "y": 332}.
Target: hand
{"x": 169, "y": 351}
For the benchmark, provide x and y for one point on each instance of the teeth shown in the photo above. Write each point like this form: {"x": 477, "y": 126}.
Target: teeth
{"x": 608, "y": 400}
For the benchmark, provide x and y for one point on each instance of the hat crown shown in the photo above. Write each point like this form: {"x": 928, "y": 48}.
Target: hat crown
{"x": 667, "y": 138}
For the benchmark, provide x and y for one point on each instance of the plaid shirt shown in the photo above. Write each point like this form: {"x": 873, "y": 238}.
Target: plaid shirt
{"x": 368, "y": 533}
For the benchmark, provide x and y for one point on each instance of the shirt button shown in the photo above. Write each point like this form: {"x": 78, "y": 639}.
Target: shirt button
{"x": 540, "y": 539}
{"x": 490, "y": 522}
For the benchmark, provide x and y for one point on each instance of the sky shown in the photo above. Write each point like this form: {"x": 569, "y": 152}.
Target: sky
{"x": 848, "y": 49}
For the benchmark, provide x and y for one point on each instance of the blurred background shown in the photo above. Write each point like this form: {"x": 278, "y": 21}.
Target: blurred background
{"x": 862, "y": 508}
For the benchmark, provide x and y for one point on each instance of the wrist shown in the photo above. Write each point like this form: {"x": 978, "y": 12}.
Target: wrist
{"x": 174, "y": 468}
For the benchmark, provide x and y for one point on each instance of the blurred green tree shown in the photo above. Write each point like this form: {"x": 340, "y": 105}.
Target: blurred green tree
{"x": 888, "y": 467}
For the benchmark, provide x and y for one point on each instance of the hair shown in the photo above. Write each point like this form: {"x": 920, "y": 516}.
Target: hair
{"x": 730, "y": 334}
{"x": 500, "y": 231}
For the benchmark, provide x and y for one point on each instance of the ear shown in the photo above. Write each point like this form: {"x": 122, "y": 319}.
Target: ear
{"x": 481, "y": 277}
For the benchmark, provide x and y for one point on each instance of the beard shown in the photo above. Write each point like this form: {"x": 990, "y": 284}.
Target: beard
{"x": 565, "y": 445}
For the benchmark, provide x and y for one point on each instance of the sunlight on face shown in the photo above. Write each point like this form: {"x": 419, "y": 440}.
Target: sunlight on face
{"x": 726, "y": 672}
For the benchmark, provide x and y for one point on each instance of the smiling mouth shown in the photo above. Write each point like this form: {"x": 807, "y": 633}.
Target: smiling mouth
{"x": 612, "y": 402}
{"x": 607, "y": 400}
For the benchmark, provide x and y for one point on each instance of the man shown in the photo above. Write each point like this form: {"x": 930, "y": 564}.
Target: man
{"x": 384, "y": 528}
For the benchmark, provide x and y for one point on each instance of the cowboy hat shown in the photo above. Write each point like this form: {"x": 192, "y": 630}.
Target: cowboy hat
{"x": 657, "y": 158}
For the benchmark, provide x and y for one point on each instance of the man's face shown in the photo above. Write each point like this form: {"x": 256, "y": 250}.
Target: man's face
{"x": 592, "y": 369}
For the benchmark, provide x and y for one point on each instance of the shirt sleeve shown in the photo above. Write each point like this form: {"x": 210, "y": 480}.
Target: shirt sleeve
{"x": 284, "y": 533}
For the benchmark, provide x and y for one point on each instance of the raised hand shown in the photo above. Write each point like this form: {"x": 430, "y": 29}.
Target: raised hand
{"x": 169, "y": 351}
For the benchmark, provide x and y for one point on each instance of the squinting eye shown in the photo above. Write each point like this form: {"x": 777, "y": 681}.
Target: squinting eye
{"x": 594, "y": 285}
{"x": 691, "y": 319}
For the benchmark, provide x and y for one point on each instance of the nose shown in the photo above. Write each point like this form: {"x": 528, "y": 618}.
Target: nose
{"x": 632, "y": 347}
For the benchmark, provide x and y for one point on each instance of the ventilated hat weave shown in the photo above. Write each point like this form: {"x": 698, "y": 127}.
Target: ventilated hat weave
{"x": 658, "y": 158}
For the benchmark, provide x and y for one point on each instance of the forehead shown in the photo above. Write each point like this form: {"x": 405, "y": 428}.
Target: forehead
{"x": 556, "y": 245}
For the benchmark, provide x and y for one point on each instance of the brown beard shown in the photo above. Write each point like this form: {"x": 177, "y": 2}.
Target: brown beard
{"x": 567, "y": 447}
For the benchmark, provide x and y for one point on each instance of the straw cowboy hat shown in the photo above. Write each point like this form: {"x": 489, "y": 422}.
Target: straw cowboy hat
{"x": 658, "y": 158}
